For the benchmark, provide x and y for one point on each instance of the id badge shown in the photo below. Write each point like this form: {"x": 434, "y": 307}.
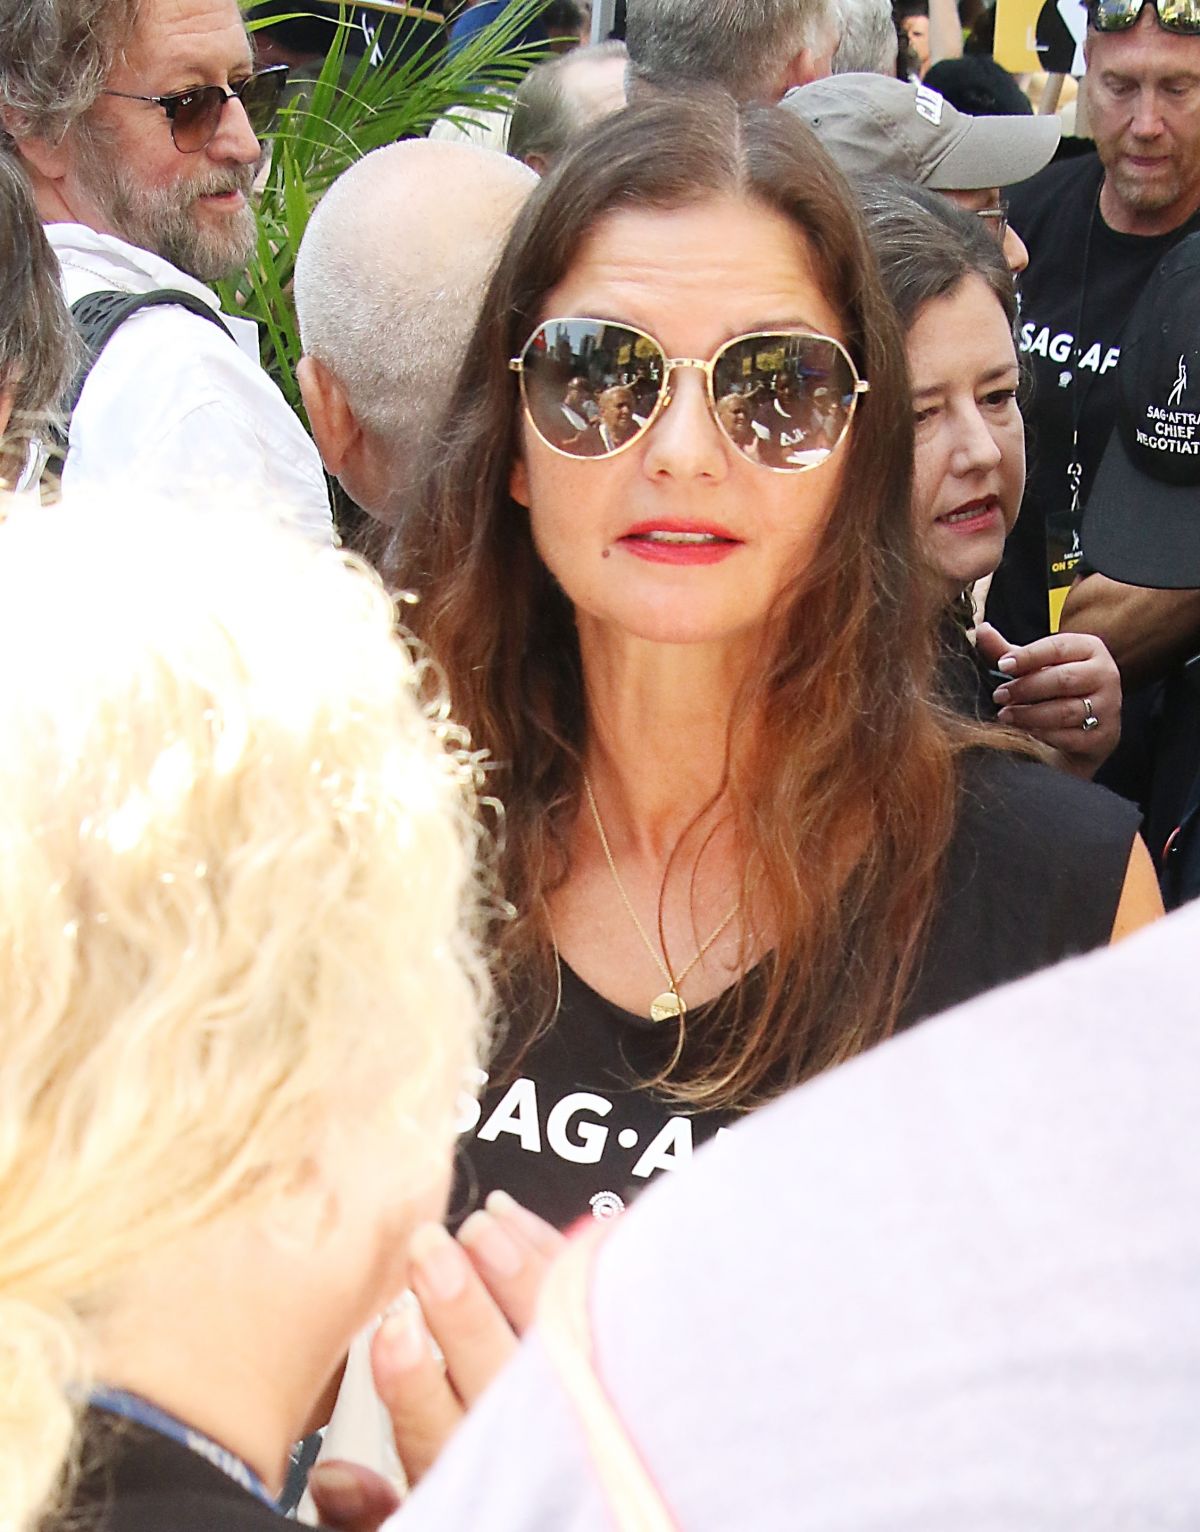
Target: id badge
{"x": 1064, "y": 552}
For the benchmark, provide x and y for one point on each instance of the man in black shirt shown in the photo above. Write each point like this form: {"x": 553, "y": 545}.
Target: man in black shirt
{"x": 1143, "y": 528}
{"x": 1096, "y": 228}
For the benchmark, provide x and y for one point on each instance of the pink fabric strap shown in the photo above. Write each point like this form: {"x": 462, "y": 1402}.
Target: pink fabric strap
{"x": 564, "y": 1324}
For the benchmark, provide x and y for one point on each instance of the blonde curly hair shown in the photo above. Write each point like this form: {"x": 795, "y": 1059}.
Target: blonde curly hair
{"x": 239, "y": 908}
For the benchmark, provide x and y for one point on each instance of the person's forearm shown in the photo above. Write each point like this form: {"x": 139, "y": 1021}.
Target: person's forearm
{"x": 1145, "y": 630}
{"x": 945, "y": 31}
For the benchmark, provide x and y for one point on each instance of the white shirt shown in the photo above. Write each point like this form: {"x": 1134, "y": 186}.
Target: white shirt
{"x": 171, "y": 405}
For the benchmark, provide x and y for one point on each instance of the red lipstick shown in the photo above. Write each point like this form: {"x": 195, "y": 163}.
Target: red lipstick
{"x": 668, "y": 540}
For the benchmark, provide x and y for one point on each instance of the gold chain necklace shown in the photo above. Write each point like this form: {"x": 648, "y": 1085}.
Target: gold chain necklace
{"x": 669, "y": 1005}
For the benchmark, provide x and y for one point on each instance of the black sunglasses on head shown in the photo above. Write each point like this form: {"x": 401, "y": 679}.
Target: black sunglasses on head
{"x": 195, "y": 115}
{"x": 1182, "y": 16}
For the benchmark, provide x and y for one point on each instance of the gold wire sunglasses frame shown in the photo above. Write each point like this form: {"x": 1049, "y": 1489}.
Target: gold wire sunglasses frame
{"x": 542, "y": 344}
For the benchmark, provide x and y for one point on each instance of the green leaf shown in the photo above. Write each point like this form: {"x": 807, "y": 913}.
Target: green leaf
{"x": 351, "y": 107}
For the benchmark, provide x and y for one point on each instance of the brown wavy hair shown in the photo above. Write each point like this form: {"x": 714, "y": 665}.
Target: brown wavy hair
{"x": 847, "y": 808}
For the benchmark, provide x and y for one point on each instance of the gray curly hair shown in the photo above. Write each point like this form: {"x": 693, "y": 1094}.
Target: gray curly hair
{"x": 57, "y": 54}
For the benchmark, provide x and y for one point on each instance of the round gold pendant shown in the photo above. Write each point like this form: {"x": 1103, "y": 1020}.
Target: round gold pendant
{"x": 667, "y": 1006}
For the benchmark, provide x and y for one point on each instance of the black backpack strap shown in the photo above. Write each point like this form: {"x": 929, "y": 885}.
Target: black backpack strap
{"x": 98, "y": 316}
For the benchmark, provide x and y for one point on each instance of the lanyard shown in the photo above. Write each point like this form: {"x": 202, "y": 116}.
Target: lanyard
{"x": 119, "y": 1401}
{"x": 1064, "y": 551}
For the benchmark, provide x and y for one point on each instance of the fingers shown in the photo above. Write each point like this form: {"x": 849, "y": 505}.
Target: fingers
{"x": 511, "y": 1249}
{"x": 472, "y": 1292}
{"x": 1058, "y": 713}
{"x": 1067, "y": 675}
{"x": 1073, "y": 666}
{"x": 1058, "y": 683}
{"x": 466, "y": 1322}
{"x": 350, "y": 1498}
{"x": 1062, "y": 715}
{"x": 416, "y": 1392}
{"x": 1060, "y": 725}
{"x": 990, "y": 642}
{"x": 1056, "y": 649}
{"x": 541, "y": 1235}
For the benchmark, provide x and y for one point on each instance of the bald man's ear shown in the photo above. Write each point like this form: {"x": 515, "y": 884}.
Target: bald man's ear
{"x": 538, "y": 163}
{"x": 805, "y": 67}
{"x": 335, "y": 427}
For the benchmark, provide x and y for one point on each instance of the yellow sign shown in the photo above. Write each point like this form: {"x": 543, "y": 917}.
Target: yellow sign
{"x": 1058, "y": 599}
{"x": 1034, "y": 35}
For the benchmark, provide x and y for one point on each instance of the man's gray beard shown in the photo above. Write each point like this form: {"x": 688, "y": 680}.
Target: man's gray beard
{"x": 162, "y": 219}
{"x": 1147, "y": 199}
{"x": 1138, "y": 195}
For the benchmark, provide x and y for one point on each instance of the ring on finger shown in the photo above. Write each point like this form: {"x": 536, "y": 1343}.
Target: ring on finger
{"x": 1090, "y": 721}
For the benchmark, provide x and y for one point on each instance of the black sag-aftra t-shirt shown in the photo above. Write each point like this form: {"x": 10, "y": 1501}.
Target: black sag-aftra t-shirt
{"x": 1033, "y": 874}
{"x": 1072, "y": 350}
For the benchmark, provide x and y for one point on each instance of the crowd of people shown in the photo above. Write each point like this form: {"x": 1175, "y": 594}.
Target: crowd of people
{"x": 786, "y": 482}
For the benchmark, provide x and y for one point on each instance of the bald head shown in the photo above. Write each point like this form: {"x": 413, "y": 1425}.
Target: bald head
{"x": 389, "y": 278}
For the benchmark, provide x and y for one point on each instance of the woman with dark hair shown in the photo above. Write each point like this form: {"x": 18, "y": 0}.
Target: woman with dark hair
{"x": 954, "y": 293}
{"x": 37, "y": 345}
{"x": 742, "y": 841}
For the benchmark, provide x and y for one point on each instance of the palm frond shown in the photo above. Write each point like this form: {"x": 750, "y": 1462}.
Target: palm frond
{"x": 345, "y": 112}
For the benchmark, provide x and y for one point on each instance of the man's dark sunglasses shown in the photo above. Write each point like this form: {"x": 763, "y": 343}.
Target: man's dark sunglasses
{"x": 195, "y": 115}
{"x": 1181, "y": 16}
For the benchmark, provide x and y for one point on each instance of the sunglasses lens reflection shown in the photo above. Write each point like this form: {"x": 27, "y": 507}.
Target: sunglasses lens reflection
{"x": 1173, "y": 15}
{"x": 1112, "y": 15}
{"x": 592, "y": 387}
{"x": 785, "y": 400}
{"x": 1179, "y": 15}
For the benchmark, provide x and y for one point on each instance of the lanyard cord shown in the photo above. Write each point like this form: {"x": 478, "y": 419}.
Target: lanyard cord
{"x": 129, "y": 1406}
{"x": 1078, "y": 392}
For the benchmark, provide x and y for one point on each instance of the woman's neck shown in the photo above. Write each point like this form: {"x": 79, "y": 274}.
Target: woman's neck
{"x": 230, "y": 1412}
{"x": 236, "y": 1357}
{"x": 659, "y": 718}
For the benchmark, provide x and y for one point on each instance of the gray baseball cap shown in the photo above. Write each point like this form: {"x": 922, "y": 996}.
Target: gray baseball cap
{"x": 874, "y": 125}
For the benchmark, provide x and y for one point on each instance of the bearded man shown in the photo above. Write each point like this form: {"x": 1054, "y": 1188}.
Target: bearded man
{"x": 138, "y": 123}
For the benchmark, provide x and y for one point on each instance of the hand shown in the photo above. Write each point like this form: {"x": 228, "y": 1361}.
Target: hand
{"x": 351, "y": 1498}
{"x": 476, "y": 1295}
{"x": 1051, "y": 682}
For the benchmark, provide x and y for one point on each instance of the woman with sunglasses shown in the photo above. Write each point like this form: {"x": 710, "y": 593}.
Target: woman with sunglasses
{"x": 741, "y": 841}
{"x": 956, "y": 299}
